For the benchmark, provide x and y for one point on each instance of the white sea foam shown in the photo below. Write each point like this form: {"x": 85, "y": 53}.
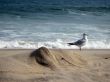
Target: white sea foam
{"x": 56, "y": 44}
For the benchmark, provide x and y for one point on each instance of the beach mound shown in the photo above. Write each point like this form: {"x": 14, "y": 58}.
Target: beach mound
{"x": 54, "y": 65}
{"x": 43, "y": 57}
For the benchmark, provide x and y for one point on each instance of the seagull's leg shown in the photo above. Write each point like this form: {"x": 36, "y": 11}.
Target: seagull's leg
{"x": 80, "y": 48}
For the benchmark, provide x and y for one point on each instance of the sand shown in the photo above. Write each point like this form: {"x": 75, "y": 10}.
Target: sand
{"x": 54, "y": 65}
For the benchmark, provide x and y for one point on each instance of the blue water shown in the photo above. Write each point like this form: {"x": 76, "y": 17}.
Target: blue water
{"x": 53, "y": 23}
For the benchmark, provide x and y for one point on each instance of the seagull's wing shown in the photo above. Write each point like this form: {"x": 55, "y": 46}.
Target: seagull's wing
{"x": 79, "y": 42}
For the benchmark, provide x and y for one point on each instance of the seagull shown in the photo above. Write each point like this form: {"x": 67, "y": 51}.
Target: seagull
{"x": 80, "y": 42}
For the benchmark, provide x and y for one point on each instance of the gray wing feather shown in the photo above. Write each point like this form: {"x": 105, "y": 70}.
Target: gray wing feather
{"x": 79, "y": 42}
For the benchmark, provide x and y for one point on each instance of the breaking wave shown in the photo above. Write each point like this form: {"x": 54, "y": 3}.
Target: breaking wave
{"x": 56, "y": 44}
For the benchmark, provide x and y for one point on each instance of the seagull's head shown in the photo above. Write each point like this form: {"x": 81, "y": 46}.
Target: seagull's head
{"x": 84, "y": 34}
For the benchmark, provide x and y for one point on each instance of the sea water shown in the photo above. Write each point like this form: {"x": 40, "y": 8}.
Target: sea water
{"x": 54, "y": 23}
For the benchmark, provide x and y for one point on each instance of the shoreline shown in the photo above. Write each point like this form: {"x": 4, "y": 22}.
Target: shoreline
{"x": 53, "y": 49}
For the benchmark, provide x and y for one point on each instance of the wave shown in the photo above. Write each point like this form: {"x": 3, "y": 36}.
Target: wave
{"x": 56, "y": 44}
{"x": 49, "y": 8}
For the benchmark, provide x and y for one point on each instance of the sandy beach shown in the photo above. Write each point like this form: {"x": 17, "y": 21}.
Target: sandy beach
{"x": 54, "y": 65}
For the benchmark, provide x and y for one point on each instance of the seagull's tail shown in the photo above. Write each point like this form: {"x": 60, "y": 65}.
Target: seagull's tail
{"x": 70, "y": 44}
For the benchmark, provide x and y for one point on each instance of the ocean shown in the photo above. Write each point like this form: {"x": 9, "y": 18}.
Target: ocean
{"x": 54, "y": 23}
